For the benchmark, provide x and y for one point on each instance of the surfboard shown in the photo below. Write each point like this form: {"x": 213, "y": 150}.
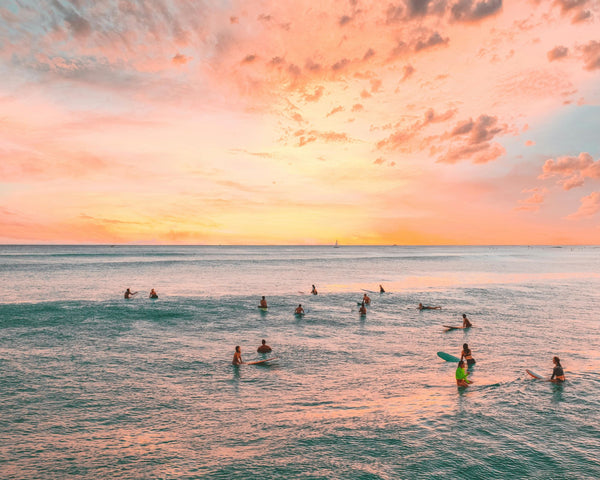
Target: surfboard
{"x": 299, "y": 314}
{"x": 368, "y": 291}
{"x": 454, "y": 327}
{"x": 448, "y": 357}
{"x": 257, "y": 362}
{"x": 263, "y": 308}
{"x": 535, "y": 375}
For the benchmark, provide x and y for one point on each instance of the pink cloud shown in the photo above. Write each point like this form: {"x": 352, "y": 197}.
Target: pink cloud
{"x": 180, "y": 59}
{"x": 572, "y": 170}
{"x": 534, "y": 201}
{"x": 529, "y": 143}
{"x": 591, "y": 55}
{"x": 557, "y": 53}
{"x": 590, "y": 205}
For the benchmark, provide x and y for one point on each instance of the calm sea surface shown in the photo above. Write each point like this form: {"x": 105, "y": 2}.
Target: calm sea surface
{"x": 95, "y": 386}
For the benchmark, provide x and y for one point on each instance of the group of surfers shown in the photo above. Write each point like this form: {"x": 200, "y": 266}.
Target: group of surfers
{"x": 462, "y": 380}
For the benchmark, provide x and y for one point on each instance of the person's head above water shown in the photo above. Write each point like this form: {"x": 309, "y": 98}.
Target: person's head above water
{"x": 237, "y": 348}
{"x": 461, "y": 363}
{"x": 264, "y": 341}
{"x": 464, "y": 315}
{"x": 465, "y": 346}
{"x": 556, "y": 361}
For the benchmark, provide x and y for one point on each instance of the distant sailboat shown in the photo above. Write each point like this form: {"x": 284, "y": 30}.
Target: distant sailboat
{"x": 336, "y": 245}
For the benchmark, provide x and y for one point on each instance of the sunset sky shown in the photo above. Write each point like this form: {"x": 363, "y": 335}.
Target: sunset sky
{"x": 300, "y": 122}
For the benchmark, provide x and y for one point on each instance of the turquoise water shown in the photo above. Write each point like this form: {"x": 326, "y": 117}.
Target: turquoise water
{"x": 94, "y": 386}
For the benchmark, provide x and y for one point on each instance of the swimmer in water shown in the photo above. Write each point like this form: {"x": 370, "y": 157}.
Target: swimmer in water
{"x": 466, "y": 322}
{"x": 264, "y": 348}
{"x": 314, "y": 290}
{"x": 461, "y": 375}
{"x": 263, "y": 302}
{"x": 129, "y": 294}
{"x": 237, "y": 356}
{"x": 427, "y": 307}
{"x": 381, "y": 290}
{"x": 366, "y": 300}
{"x": 558, "y": 374}
{"x": 299, "y": 310}
{"x": 153, "y": 294}
{"x": 466, "y": 353}
{"x": 362, "y": 310}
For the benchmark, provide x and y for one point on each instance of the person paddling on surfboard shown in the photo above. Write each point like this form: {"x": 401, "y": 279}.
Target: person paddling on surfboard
{"x": 237, "y": 356}
{"x": 461, "y": 375}
{"x": 263, "y": 302}
{"x": 264, "y": 348}
{"x": 153, "y": 294}
{"x": 366, "y": 300}
{"x": 427, "y": 307}
{"x": 558, "y": 374}
{"x": 466, "y": 322}
{"x": 129, "y": 294}
{"x": 381, "y": 290}
{"x": 314, "y": 290}
{"x": 299, "y": 310}
{"x": 466, "y": 353}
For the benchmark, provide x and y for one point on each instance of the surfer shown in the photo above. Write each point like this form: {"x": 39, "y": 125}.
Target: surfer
{"x": 558, "y": 374}
{"x": 299, "y": 310}
{"x": 362, "y": 310}
{"x": 314, "y": 290}
{"x": 427, "y": 307}
{"x": 381, "y": 290}
{"x": 466, "y": 321}
{"x": 366, "y": 300}
{"x": 153, "y": 294}
{"x": 466, "y": 353}
{"x": 237, "y": 356}
{"x": 264, "y": 348}
{"x": 129, "y": 294}
{"x": 461, "y": 375}
{"x": 263, "y": 302}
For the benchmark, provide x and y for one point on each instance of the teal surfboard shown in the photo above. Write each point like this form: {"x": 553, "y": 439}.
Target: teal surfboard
{"x": 448, "y": 357}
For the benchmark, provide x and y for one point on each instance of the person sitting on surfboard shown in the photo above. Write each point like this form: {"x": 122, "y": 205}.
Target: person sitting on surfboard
{"x": 299, "y": 310}
{"x": 461, "y": 375}
{"x": 362, "y": 310}
{"x": 237, "y": 356}
{"x": 153, "y": 294}
{"x": 381, "y": 290}
{"x": 264, "y": 348}
{"x": 466, "y": 322}
{"x": 129, "y": 294}
{"x": 427, "y": 307}
{"x": 466, "y": 353}
{"x": 558, "y": 374}
{"x": 366, "y": 300}
{"x": 263, "y": 302}
{"x": 314, "y": 290}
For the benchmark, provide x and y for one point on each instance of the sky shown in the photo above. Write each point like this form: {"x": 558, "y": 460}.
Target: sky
{"x": 408, "y": 122}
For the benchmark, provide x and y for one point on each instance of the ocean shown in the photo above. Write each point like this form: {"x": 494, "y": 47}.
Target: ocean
{"x": 95, "y": 386}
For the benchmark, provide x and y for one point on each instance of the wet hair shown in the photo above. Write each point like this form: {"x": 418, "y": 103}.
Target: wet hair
{"x": 263, "y": 297}
{"x": 264, "y": 341}
{"x": 557, "y": 361}
{"x": 299, "y": 304}
{"x": 465, "y": 346}
{"x": 461, "y": 363}
{"x": 237, "y": 348}
{"x": 464, "y": 315}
